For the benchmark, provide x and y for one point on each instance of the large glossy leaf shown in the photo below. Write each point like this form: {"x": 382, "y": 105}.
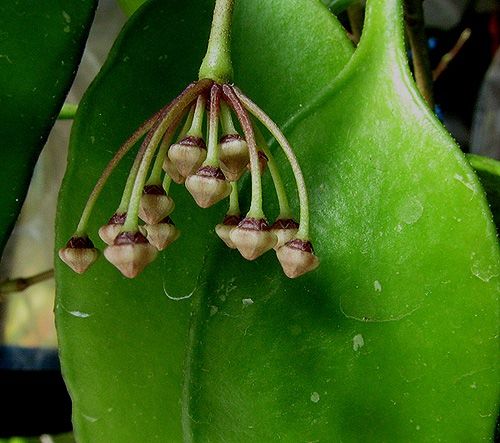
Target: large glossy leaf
{"x": 124, "y": 343}
{"x": 40, "y": 47}
{"x": 393, "y": 338}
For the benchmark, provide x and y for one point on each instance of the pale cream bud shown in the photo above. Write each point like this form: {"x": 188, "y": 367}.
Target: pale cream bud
{"x": 109, "y": 231}
{"x": 162, "y": 234}
{"x": 208, "y": 186}
{"x": 224, "y": 229}
{"x": 155, "y": 204}
{"x": 233, "y": 156}
{"x": 297, "y": 257}
{"x": 130, "y": 253}
{"x": 172, "y": 171}
{"x": 188, "y": 154}
{"x": 252, "y": 237}
{"x": 79, "y": 254}
{"x": 285, "y": 230}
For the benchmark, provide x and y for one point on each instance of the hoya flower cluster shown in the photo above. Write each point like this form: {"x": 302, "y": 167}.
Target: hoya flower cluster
{"x": 195, "y": 141}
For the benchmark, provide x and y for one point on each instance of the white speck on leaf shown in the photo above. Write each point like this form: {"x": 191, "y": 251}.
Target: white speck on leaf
{"x": 315, "y": 397}
{"x": 358, "y": 342}
{"x": 247, "y": 301}
{"x": 377, "y": 286}
{"x": 80, "y": 314}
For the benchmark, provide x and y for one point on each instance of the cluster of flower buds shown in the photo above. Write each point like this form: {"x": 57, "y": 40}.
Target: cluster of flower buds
{"x": 209, "y": 156}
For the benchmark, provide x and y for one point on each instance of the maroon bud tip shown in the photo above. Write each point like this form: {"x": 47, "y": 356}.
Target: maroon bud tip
{"x": 118, "y": 218}
{"x": 80, "y": 243}
{"x": 230, "y": 138}
{"x": 301, "y": 245}
{"x": 254, "y": 224}
{"x": 212, "y": 172}
{"x": 128, "y": 238}
{"x": 262, "y": 156}
{"x": 232, "y": 220}
{"x": 196, "y": 142}
{"x": 285, "y": 223}
{"x": 153, "y": 190}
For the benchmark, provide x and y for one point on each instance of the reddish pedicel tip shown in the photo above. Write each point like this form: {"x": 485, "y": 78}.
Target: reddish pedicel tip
{"x": 232, "y": 220}
{"x": 288, "y": 223}
{"x": 153, "y": 190}
{"x": 129, "y": 238}
{"x": 254, "y": 224}
{"x": 195, "y": 142}
{"x": 118, "y": 218}
{"x": 212, "y": 172}
{"x": 301, "y": 245}
{"x": 80, "y": 243}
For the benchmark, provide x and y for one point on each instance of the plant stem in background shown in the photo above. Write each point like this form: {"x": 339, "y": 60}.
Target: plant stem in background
{"x": 20, "y": 284}
{"x": 451, "y": 54}
{"x": 414, "y": 18}
{"x": 217, "y": 64}
{"x": 356, "y": 15}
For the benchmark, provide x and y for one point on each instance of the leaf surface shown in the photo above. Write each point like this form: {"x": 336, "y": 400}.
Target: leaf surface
{"x": 40, "y": 47}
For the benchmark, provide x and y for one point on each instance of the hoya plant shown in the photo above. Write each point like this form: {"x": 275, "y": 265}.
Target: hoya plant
{"x": 265, "y": 234}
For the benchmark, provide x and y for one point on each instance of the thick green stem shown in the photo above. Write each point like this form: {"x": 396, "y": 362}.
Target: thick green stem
{"x": 303, "y": 233}
{"x": 217, "y": 64}
{"x": 196, "y": 128}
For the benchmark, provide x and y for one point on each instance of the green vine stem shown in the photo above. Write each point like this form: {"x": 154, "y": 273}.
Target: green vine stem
{"x": 217, "y": 65}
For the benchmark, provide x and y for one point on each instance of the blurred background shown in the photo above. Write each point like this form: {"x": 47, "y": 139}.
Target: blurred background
{"x": 467, "y": 95}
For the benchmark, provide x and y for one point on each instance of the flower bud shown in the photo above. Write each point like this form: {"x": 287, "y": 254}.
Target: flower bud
{"x": 297, "y": 257}
{"x": 79, "y": 254}
{"x": 262, "y": 162}
{"x": 252, "y": 237}
{"x": 188, "y": 154}
{"x": 233, "y": 156}
{"x": 162, "y": 234}
{"x": 285, "y": 230}
{"x": 224, "y": 229}
{"x": 109, "y": 231}
{"x": 155, "y": 204}
{"x": 208, "y": 186}
{"x": 130, "y": 253}
{"x": 172, "y": 171}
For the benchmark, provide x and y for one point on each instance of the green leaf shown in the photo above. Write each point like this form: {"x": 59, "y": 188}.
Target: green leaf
{"x": 40, "y": 47}
{"x": 122, "y": 342}
{"x": 488, "y": 170}
{"x": 130, "y": 6}
{"x": 393, "y": 338}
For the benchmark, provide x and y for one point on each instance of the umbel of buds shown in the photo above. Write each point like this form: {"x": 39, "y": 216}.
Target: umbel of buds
{"x": 206, "y": 139}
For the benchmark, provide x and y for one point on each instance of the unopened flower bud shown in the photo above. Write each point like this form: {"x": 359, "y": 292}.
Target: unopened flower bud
{"x": 252, "y": 237}
{"x": 233, "y": 156}
{"x": 224, "y": 229}
{"x": 79, "y": 254}
{"x": 162, "y": 234}
{"x": 155, "y": 204}
{"x": 188, "y": 154}
{"x": 130, "y": 253}
{"x": 208, "y": 186}
{"x": 172, "y": 171}
{"x": 285, "y": 230}
{"x": 262, "y": 162}
{"x": 109, "y": 231}
{"x": 297, "y": 257}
